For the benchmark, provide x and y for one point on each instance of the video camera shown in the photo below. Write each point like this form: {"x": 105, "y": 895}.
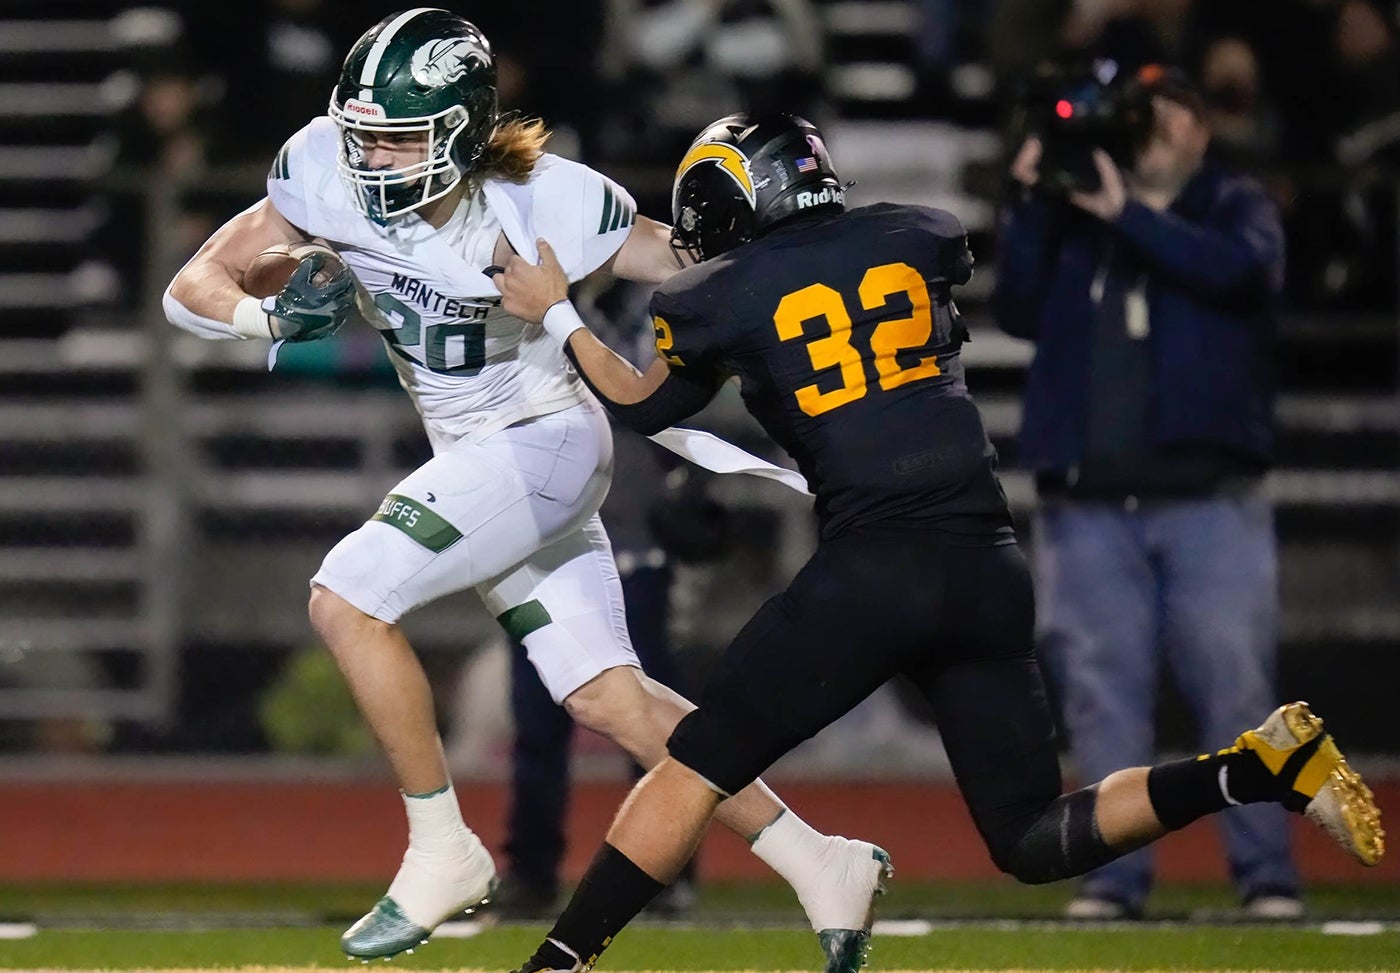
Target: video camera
{"x": 1076, "y": 108}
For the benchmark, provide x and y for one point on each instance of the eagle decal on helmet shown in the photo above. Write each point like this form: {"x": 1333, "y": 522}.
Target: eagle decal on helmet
{"x": 443, "y": 61}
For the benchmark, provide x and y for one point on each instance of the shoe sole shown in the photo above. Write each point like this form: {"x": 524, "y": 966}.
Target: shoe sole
{"x": 1342, "y": 804}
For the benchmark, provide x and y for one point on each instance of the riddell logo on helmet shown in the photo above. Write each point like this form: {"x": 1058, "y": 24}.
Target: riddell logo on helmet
{"x": 827, "y": 195}
{"x": 365, "y": 108}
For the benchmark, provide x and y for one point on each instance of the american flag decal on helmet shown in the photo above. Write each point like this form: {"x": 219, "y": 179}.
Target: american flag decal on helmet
{"x": 808, "y": 164}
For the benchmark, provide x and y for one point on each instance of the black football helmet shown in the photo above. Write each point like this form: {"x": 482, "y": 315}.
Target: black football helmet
{"x": 744, "y": 175}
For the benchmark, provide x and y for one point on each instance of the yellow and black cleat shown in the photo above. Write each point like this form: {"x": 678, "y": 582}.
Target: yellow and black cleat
{"x": 1318, "y": 780}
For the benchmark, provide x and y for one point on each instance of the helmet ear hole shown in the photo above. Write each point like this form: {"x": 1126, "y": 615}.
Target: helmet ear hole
{"x": 689, "y": 220}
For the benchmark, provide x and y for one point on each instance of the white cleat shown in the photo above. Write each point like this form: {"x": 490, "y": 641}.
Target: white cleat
{"x": 1315, "y": 779}
{"x": 428, "y": 889}
{"x": 841, "y": 906}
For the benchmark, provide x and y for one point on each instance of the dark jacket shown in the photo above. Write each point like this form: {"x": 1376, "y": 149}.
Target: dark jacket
{"x": 1214, "y": 264}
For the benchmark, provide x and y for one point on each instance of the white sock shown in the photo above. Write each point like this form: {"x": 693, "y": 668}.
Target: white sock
{"x": 793, "y": 849}
{"x": 445, "y": 869}
{"x": 435, "y": 822}
{"x": 835, "y": 878}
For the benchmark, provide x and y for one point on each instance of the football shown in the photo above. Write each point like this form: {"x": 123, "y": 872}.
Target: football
{"x": 270, "y": 270}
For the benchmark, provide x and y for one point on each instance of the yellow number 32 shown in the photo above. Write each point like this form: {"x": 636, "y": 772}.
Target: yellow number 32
{"x": 886, "y": 342}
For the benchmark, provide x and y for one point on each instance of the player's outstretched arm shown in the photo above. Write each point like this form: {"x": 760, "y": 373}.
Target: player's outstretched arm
{"x": 647, "y": 256}
{"x": 205, "y": 294}
{"x": 645, "y": 401}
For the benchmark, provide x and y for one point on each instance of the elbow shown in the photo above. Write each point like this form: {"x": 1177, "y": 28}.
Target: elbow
{"x": 178, "y": 295}
{"x": 173, "y": 307}
{"x": 663, "y": 408}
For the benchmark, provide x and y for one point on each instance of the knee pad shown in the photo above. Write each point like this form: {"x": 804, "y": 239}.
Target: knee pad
{"x": 1061, "y": 841}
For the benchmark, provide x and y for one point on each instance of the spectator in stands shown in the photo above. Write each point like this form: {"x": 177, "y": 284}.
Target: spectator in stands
{"x": 1312, "y": 106}
{"x": 948, "y": 35}
{"x": 1368, "y": 69}
{"x": 1118, "y": 29}
{"x": 552, "y": 74}
{"x": 1027, "y": 35}
{"x": 1021, "y": 36}
{"x": 1148, "y": 425}
{"x": 679, "y": 63}
{"x": 165, "y": 127}
{"x": 1342, "y": 106}
{"x": 162, "y": 136}
{"x": 282, "y": 63}
{"x": 1242, "y": 119}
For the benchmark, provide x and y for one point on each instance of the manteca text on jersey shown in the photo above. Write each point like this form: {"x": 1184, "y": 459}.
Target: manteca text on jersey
{"x": 435, "y": 302}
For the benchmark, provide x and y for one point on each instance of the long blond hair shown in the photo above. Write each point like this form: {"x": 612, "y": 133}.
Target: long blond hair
{"x": 514, "y": 148}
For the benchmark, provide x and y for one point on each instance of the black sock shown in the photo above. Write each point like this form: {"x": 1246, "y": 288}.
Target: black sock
{"x": 609, "y": 896}
{"x": 1183, "y": 790}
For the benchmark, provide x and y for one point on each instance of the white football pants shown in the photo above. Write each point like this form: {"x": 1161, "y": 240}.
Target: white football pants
{"x": 516, "y": 517}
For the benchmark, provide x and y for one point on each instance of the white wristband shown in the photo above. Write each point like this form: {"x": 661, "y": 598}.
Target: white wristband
{"x": 561, "y": 320}
{"x": 250, "y": 320}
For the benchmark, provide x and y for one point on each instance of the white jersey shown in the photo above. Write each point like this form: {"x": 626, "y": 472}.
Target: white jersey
{"x": 471, "y": 368}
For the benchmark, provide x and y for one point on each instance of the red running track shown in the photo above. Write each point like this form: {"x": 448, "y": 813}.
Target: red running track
{"x": 223, "y": 831}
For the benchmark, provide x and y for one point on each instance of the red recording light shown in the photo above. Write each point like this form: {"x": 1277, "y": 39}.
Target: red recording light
{"x": 1064, "y": 109}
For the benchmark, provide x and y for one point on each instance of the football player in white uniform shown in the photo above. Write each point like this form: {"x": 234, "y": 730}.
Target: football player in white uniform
{"x": 424, "y": 192}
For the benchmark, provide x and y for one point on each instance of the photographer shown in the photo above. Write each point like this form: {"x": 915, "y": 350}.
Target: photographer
{"x": 1148, "y": 423}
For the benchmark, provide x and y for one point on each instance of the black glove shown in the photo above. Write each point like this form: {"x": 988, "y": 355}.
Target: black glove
{"x": 313, "y": 304}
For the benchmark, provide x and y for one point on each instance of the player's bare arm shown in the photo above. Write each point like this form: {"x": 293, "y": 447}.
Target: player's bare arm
{"x": 208, "y": 296}
{"x": 647, "y": 255}
{"x": 529, "y": 290}
{"x": 210, "y": 284}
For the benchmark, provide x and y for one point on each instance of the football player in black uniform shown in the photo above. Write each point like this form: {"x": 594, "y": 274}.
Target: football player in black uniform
{"x": 841, "y": 327}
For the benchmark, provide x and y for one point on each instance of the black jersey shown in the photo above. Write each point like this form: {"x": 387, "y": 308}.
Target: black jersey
{"x": 844, "y": 335}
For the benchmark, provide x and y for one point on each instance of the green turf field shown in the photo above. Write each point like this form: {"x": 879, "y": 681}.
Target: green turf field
{"x": 653, "y": 948}
{"x": 735, "y": 928}
{"x": 767, "y": 902}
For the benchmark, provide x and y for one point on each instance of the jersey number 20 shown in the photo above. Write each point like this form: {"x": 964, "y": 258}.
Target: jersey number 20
{"x": 887, "y": 340}
{"x": 439, "y": 353}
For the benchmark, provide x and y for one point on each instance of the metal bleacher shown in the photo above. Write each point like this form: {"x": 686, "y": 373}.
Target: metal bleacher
{"x": 162, "y": 496}
{"x": 70, "y": 491}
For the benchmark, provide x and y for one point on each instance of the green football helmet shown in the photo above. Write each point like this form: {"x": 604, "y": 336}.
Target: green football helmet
{"x": 421, "y": 70}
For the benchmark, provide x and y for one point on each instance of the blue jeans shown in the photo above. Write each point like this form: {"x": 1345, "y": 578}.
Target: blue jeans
{"x": 1123, "y": 589}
